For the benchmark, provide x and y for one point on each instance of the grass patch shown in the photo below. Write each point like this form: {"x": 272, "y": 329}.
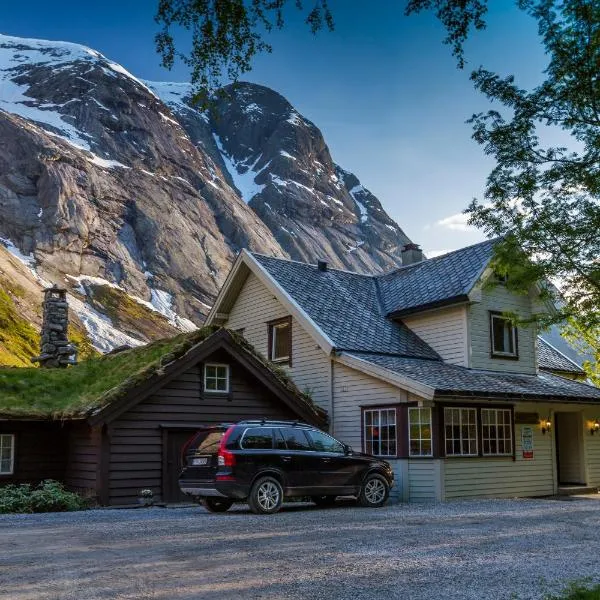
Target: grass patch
{"x": 578, "y": 590}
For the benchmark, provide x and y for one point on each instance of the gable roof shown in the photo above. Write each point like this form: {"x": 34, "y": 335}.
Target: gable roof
{"x": 551, "y": 359}
{"x": 453, "y": 380}
{"x": 435, "y": 282}
{"x": 100, "y": 389}
{"x": 346, "y": 307}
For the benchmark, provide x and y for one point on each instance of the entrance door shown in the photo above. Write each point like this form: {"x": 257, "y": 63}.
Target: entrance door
{"x": 172, "y": 463}
{"x": 569, "y": 448}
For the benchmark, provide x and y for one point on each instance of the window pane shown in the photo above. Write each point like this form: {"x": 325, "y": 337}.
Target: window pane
{"x": 280, "y": 341}
{"x": 419, "y": 434}
{"x": 380, "y": 432}
{"x": 499, "y": 435}
{"x": 325, "y": 443}
{"x": 295, "y": 439}
{"x": 258, "y": 439}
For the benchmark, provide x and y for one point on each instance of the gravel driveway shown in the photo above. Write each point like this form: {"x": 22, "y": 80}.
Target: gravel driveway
{"x": 477, "y": 549}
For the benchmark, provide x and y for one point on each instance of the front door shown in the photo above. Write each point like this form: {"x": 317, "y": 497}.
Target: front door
{"x": 172, "y": 464}
{"x": 569, "y": 448}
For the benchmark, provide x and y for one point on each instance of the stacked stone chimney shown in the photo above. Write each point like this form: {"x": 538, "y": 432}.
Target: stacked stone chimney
{"x": 56, "y": 351}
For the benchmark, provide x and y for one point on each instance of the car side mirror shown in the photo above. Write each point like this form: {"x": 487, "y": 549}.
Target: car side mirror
{"x": 347, "y": 449}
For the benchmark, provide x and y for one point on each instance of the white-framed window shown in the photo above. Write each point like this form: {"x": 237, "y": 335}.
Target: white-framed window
{"x": 419, "y": 432}
{"x": 503, "y": 336}
{"x": 460, "y": 428}
{"x": 216, "y": 378}
{"x": 379, "y": 431}
{"x": 7, "y": 453}
{"x": 496, "y": 432}
{"x": 280, "y": 340}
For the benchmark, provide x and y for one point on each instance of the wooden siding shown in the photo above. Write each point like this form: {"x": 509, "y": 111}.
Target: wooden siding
{"x": 137, "y": 437}
{"x": 83, "y": 461}
{"x": 445, "y": 330}
{"x": 422, "y": 483}
{"x": 40, "y": 451}
{"x": 253, "y": 309}
{"x": 592, "y": 446}
{"x": 501, "y": 300}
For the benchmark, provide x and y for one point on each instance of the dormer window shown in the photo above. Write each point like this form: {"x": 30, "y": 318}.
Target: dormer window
{"x": 503, "y": 337}
{"x": 280, "y": 340}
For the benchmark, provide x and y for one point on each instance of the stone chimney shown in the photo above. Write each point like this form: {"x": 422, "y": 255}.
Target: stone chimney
{"x": 411, "y": 254}
{"x": 322, "y": 265}
{"x": 55, "y": 349}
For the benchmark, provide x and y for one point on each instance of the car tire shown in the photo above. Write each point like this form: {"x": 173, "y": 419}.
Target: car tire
{"x": 217, "y": 505}
{"x": 266, "y": 496}
{"x": 374, "y": 491}
{"x": 323, "y": 500}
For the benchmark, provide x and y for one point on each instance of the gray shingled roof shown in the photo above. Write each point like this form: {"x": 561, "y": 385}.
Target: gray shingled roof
{"x": 449, "y": 379}
{"x": 550, "y": 359}
{"x": 438, "y": 280}
{"x": 346, "y": 307}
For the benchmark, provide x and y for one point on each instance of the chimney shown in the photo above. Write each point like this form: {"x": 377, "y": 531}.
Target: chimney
{"x": 411, "y": 254}
{"x": 322, "y": 265}
{"x": 56, "y": 351}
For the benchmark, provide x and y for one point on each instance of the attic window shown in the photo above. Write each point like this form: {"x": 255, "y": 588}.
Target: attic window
{"x": 216, "y": 378}
{"x": 280, "y": 340}
{"x": 503, "y": 337}
{"x": 7, "y": 454}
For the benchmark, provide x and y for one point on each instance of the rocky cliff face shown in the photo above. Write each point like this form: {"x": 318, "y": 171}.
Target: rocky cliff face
{"x": 121, "y": 190}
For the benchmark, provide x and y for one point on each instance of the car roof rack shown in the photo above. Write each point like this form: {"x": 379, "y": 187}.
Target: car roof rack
{"x": 265, "y": 421}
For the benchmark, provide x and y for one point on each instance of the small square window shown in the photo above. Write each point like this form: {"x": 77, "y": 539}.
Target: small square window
{"x": 503, "y": 336}
{"x": 7, "y": 454}
{"x": 216, "y": 378}
{"x": 280, "y": 341}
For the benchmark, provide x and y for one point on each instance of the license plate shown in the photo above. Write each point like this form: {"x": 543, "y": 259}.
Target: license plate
{"x": 200, "y": 461}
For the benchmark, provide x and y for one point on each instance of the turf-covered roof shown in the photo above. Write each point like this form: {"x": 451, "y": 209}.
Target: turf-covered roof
{"x": 84, "y": 389}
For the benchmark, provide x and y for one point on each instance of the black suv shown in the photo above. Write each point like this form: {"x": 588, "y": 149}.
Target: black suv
{"x": 262, "y": 462}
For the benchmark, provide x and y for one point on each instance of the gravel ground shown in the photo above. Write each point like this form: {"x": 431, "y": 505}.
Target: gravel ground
{"x": 476, "y": 549}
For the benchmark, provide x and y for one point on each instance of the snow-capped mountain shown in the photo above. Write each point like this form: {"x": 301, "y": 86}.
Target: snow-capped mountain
{"x": 127, "y": 194}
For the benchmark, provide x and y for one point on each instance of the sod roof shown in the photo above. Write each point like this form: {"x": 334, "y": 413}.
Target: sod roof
{"x": 84, "y": 389}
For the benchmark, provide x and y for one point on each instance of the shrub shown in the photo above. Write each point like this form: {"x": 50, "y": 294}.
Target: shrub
{"x": 48, "y": 496}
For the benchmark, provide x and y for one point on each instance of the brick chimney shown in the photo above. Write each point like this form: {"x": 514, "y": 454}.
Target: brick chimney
{"x": 55, "y": 349}
{"x": 411, "y": 254}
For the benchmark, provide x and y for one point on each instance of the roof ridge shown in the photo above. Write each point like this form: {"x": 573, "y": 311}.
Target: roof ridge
{"x": 299, "y": 262}
{"x": 405, "y": 268}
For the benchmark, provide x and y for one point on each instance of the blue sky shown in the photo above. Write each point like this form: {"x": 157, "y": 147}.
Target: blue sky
{"x": 382, "y": 87}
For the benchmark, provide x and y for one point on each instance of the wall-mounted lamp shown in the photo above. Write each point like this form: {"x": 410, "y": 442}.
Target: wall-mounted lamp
{"x": 546, "y": 425}
{"x": 595, "y": 427}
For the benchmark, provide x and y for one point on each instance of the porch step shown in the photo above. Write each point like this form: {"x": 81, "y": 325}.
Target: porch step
{"x": 575, "y": 490}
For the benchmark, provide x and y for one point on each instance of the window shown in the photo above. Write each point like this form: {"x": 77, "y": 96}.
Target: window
{"x": 295, "y": 439}
{"x": 280, "y": 340}
{"x": 325, "y": 443}
{"x": 380, "y": 432}
{"x": 216, "y": 378}
{"x": 504, "y": 336}
{"x": 258, "y": 438}
{"x": 460, "y": 425}
{"x": 419, "y": 432}
{"x": 7, "y": 454}
{"x": 496, "y": 431}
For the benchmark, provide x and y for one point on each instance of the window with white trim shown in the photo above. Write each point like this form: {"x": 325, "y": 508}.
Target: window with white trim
{"x": 216, "y": 378}
{"x": 7, "y": 453}
{"x": 419, "y": 432}
{"x": 380, "y": 431}
{"x": 496, "y": 432}
{"x": 280, "y": 340}
{"x": 460, "y": 428}
{"x": 504, "y": 336}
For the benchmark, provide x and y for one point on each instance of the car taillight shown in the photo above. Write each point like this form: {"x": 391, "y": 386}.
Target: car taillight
{"x": 225, "y": 458}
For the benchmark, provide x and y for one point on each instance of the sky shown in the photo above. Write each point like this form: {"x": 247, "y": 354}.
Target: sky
{"x": 383, "y": 89}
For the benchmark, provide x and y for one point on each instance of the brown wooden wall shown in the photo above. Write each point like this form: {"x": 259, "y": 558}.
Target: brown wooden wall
{"x": 83, "y": 459}
{"x": 138, "y": 437}
{"x": 40, "y": 451}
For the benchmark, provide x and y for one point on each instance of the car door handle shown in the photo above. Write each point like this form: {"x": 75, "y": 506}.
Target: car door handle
{"x": 286, "y": 458}
{"x": 327, "y": 460}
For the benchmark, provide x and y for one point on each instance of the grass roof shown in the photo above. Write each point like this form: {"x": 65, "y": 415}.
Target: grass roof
{"x": 92, "y": 384}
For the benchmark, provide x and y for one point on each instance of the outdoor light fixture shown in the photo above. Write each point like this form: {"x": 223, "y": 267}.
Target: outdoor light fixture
{"x": 595, "y": 427}
{"x": 546, "y": 425}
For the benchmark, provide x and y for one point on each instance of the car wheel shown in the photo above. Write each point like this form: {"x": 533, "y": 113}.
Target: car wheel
{"x": 323, "y": 500}
{"x": 266, "y": 496}
{"x": 217, "y": 505}
{"x": 374, "y": 492}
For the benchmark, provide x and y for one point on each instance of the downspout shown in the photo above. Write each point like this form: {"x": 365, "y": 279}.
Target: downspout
{"x": 331, "y": 396}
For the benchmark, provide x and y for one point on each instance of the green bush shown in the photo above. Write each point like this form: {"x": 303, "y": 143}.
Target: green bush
{"x": 48, "y": 496}
{"x": 578, "y": 590}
